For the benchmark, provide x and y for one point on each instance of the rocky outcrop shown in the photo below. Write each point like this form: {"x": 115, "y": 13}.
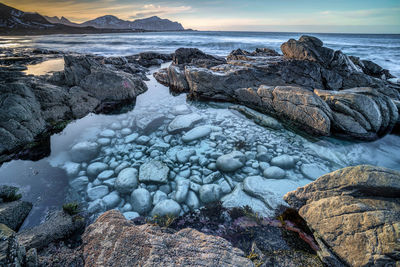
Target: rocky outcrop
{"x": 114, "y": 241}
{"x": 59, "y": 225}
{"x": 293, "y": 87}
{"x": 11, "y": 253}
{"x": 194, "y": 55}
{"x": 14, "y": 213}
{"x": 31, "y": 107}
{"x": 362, "y": 113}
{"x": 356, "y": 213}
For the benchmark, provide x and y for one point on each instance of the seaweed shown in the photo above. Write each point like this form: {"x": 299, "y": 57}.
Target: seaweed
{"x": 71, "y": 208}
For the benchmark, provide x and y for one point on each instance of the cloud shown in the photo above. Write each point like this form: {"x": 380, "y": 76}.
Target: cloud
{"x": 158, "y": 10}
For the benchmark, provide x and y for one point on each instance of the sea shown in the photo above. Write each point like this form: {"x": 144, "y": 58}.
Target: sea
{"x": 50, "y": 182}
{"x": 383, "y": 49}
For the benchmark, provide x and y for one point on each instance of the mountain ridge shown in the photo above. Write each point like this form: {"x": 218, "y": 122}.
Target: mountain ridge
{"x": 16, "y": 21}
{"x": 153, "y": 23}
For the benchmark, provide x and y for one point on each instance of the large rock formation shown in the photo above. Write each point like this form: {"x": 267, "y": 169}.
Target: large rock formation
{"x": 114, "y": 241}
{"x": 33, "y": 106}
{"x": 283, "y": 86}
{"x": 356, "y": 212}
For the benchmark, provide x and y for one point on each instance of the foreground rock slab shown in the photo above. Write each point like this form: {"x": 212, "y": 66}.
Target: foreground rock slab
{"x": 14, "y": 213}
{"x": 114, "y": 241}
{"x": 356, "y": 212}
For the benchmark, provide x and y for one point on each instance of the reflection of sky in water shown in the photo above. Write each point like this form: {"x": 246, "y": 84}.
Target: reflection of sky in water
{"x": 48, "y": 66}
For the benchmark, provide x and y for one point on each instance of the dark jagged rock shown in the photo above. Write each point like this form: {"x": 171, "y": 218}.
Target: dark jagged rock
{"x": 59, "y": 225}
{"x": 283, "y": 86}
{"x": 356, "y": 212}
{"x": 240, "y": 54}
{"x": 14, "y": 213}
{"x": 191, "y": 55}
{"x": 11, "y": 252}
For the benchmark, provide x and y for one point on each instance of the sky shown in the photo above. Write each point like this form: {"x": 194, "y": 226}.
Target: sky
{"x": 345, "y": 16}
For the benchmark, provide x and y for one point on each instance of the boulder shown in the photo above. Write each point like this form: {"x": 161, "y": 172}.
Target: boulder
{"x": 196, "y": 133}
{"x": 191, "y": 55}
{"x": 59, "y": 225}
{"x": 284, "y": 162}
{"x": 166, "y": 207}
{"x": 14, "y": 213}
{"x": 184, "y": 123}
{"x": 11, "y": 252}
{"x": 356, "y": 212}
{"x": 258, "y": 187}
{"x": 113, "y": 241}
{"x": 238, "y": 198}
{"x": 84, "y": 151}
{"x": 153, "y": 171}
{"x": 210, "y": 193}
{"x": 96, "y": 168}
{"x": 231, "y": 162}
{"x": 274, "y": 173}
{"x": 126, "y": 181}
{"x": 97, "y": 192}
{"x": 182, "y": 189}
{"x": 20, "y": 117}
{"x": 79, "y": 184}
{"x": 111, "y": 200}
{"x": 141, "y": 201}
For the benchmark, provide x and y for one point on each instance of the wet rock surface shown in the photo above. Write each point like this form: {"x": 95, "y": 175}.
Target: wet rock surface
{"x": 356, "y": 212}
{"x": 282, "y": 86}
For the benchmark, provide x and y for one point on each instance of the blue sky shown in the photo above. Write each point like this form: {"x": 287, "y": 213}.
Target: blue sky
{"x": 363, "y": 16}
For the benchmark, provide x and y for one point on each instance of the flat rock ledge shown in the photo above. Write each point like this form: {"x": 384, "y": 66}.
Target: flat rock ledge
{"x": 355, "y": 214}
{"x": 114, "y": 241}
{"x": 311, "y": 87}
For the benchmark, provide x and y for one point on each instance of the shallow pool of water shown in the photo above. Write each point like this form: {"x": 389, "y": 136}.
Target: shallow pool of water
{"x": 143, "y": 135}
{"x": 45, "y": 67}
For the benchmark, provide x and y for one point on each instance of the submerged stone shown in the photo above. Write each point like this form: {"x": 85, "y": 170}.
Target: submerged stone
{"x": 95, "y": 168}
{"x": 184, "y": 122}
{"x": 84, "y": 151}
{"x": 196, "y": 133}
{"x": 274, "y": 173}
{"x": 210, "y": 193}
{"x": 231, "y": 162}
{"x": 153, "y": 171}
{"x": 141, "y": 201}
{"x": 313, "y": 171}
{"x": 284, "y": 162}
{"x": 97, "y": 192}
{"x": 166, "y": 207}
{"x": 126, "y": 181}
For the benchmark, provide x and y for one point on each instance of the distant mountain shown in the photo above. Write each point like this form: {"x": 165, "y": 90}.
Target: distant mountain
{"x": 62, "y": 20}
{"x": 156, "y": 24}
{"x": 149, "y": 24}
{"x": 108, "y": 22}
{"x": 16, "y": 19}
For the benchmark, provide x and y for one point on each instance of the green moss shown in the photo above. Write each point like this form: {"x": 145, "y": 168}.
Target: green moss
{"x": 162, "y": 221}
{"x": 11, "y": 195}
{"x": 71, "y": 208}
